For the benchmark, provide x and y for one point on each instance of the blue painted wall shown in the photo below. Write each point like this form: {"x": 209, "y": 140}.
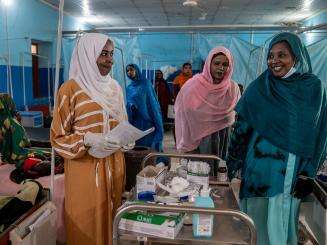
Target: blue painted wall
{"x": 28, "y": 20}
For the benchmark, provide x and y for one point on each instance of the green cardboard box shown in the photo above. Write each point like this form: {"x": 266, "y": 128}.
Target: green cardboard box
{"x": 166, "y": 225}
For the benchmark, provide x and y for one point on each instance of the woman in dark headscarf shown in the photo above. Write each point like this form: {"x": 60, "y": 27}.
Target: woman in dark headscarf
{"x": 143, "y": 108}
{"x": 163, "y": 93}
{"x": 280, "y": 136}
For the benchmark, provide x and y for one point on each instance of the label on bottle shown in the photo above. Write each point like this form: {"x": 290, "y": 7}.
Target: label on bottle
{"x": 222, "y": 174}
{"x": 205, "y": 225}
{"x": 222, "y": 177}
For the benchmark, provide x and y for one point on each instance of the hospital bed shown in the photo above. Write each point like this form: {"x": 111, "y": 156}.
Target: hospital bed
{"x": 8, "y": 187}
{"x": 4, "y": 236}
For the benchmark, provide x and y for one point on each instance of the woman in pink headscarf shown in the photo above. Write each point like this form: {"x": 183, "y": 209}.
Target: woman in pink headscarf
{"x": 205, "y": 107}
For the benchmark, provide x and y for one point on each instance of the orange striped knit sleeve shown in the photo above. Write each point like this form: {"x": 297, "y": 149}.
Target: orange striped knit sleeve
{"x": 65, "y": 141}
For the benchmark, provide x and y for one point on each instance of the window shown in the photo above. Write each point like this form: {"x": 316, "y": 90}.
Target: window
{"x": 34, "y": 48}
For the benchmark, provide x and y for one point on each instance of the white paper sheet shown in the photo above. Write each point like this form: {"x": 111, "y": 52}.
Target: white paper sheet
{"x": 125, "y": 133}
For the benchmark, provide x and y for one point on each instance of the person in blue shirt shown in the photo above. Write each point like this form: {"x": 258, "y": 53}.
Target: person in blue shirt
{"x": 143, "y": 108}
{"x": 279, "y": 140}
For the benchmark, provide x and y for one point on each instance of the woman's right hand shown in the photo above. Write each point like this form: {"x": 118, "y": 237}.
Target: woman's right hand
{"x": 100, "y": 146}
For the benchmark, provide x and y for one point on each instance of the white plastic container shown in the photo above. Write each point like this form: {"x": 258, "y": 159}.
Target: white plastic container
{"x": 32, "y": 119}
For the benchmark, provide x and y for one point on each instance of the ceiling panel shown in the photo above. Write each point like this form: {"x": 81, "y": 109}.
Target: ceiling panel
{"x": 129, "y": 13}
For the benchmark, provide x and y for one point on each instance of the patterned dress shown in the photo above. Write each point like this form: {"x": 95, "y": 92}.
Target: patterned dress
{"x": 13, "y": 140}
{"x": 93, "y": 187}
{"x": 268, "y": 182}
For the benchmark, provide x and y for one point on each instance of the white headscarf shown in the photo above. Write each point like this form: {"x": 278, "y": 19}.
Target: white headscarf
{"x": 83, "y": 69}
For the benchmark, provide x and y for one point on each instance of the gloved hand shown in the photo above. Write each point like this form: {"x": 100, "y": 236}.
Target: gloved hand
{"x": 93, "y": 139}
{"x": 100, "y": 146}
{"x": 100, "y": 140}
{"x": 128, "y": 147}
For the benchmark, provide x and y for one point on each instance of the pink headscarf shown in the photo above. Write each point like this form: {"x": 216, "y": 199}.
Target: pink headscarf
{"x": 202, "y": 107}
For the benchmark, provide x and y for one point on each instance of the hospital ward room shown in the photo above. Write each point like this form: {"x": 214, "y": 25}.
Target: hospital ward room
{"x": 153, "y": 122}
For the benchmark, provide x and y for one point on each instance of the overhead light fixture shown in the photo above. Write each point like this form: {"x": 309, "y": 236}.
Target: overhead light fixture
{"x": 91, "y": 19}
{"x": 190, "y": 3}
{"x": 86, "y": 8}
{"x": 307, "y": 4}
{"x": 6, "y": 2}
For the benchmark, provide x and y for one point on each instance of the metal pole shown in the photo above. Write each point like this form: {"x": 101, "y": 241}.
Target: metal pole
{"x": 59, "y": 37}
{"x": 5, "y": 58}
{"x": 252, "y": 36}
{"x": 24, "y": 83}
{"x": 9, "y": 81}
{"x": 311, "y": 28}
{"x": 123, "y": 67}
{"x": 49, "y": 85}
{"x": 196, "y": 28}
{"x": 192, "y": 48}
{"x": 154, "y": 76}
{"x": 146, "y": 68}
{"x": 197, "y": 210}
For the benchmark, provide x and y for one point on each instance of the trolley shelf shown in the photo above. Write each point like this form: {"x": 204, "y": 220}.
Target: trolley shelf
{"x": 231, "y": 226}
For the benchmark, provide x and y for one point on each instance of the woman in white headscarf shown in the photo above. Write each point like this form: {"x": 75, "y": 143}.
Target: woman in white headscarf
{"x": 88, "y": 106}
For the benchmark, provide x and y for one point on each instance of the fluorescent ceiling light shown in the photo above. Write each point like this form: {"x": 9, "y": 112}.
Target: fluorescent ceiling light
{"x": 7, "y": 2}
{"x": 190, "y": 3}
{"x": 307, "y": 4}
{"x": 299, "y": 16}
{"x": 92, "y": 19}
{"x": 86, "y": 7}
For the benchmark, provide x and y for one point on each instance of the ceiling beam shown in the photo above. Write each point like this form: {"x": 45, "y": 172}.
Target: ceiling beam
{"x": 312, "y": 28}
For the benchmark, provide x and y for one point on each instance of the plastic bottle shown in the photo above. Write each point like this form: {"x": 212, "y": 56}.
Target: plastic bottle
{"x": 203, "y": 223}
{"x": 222, "y": 172}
